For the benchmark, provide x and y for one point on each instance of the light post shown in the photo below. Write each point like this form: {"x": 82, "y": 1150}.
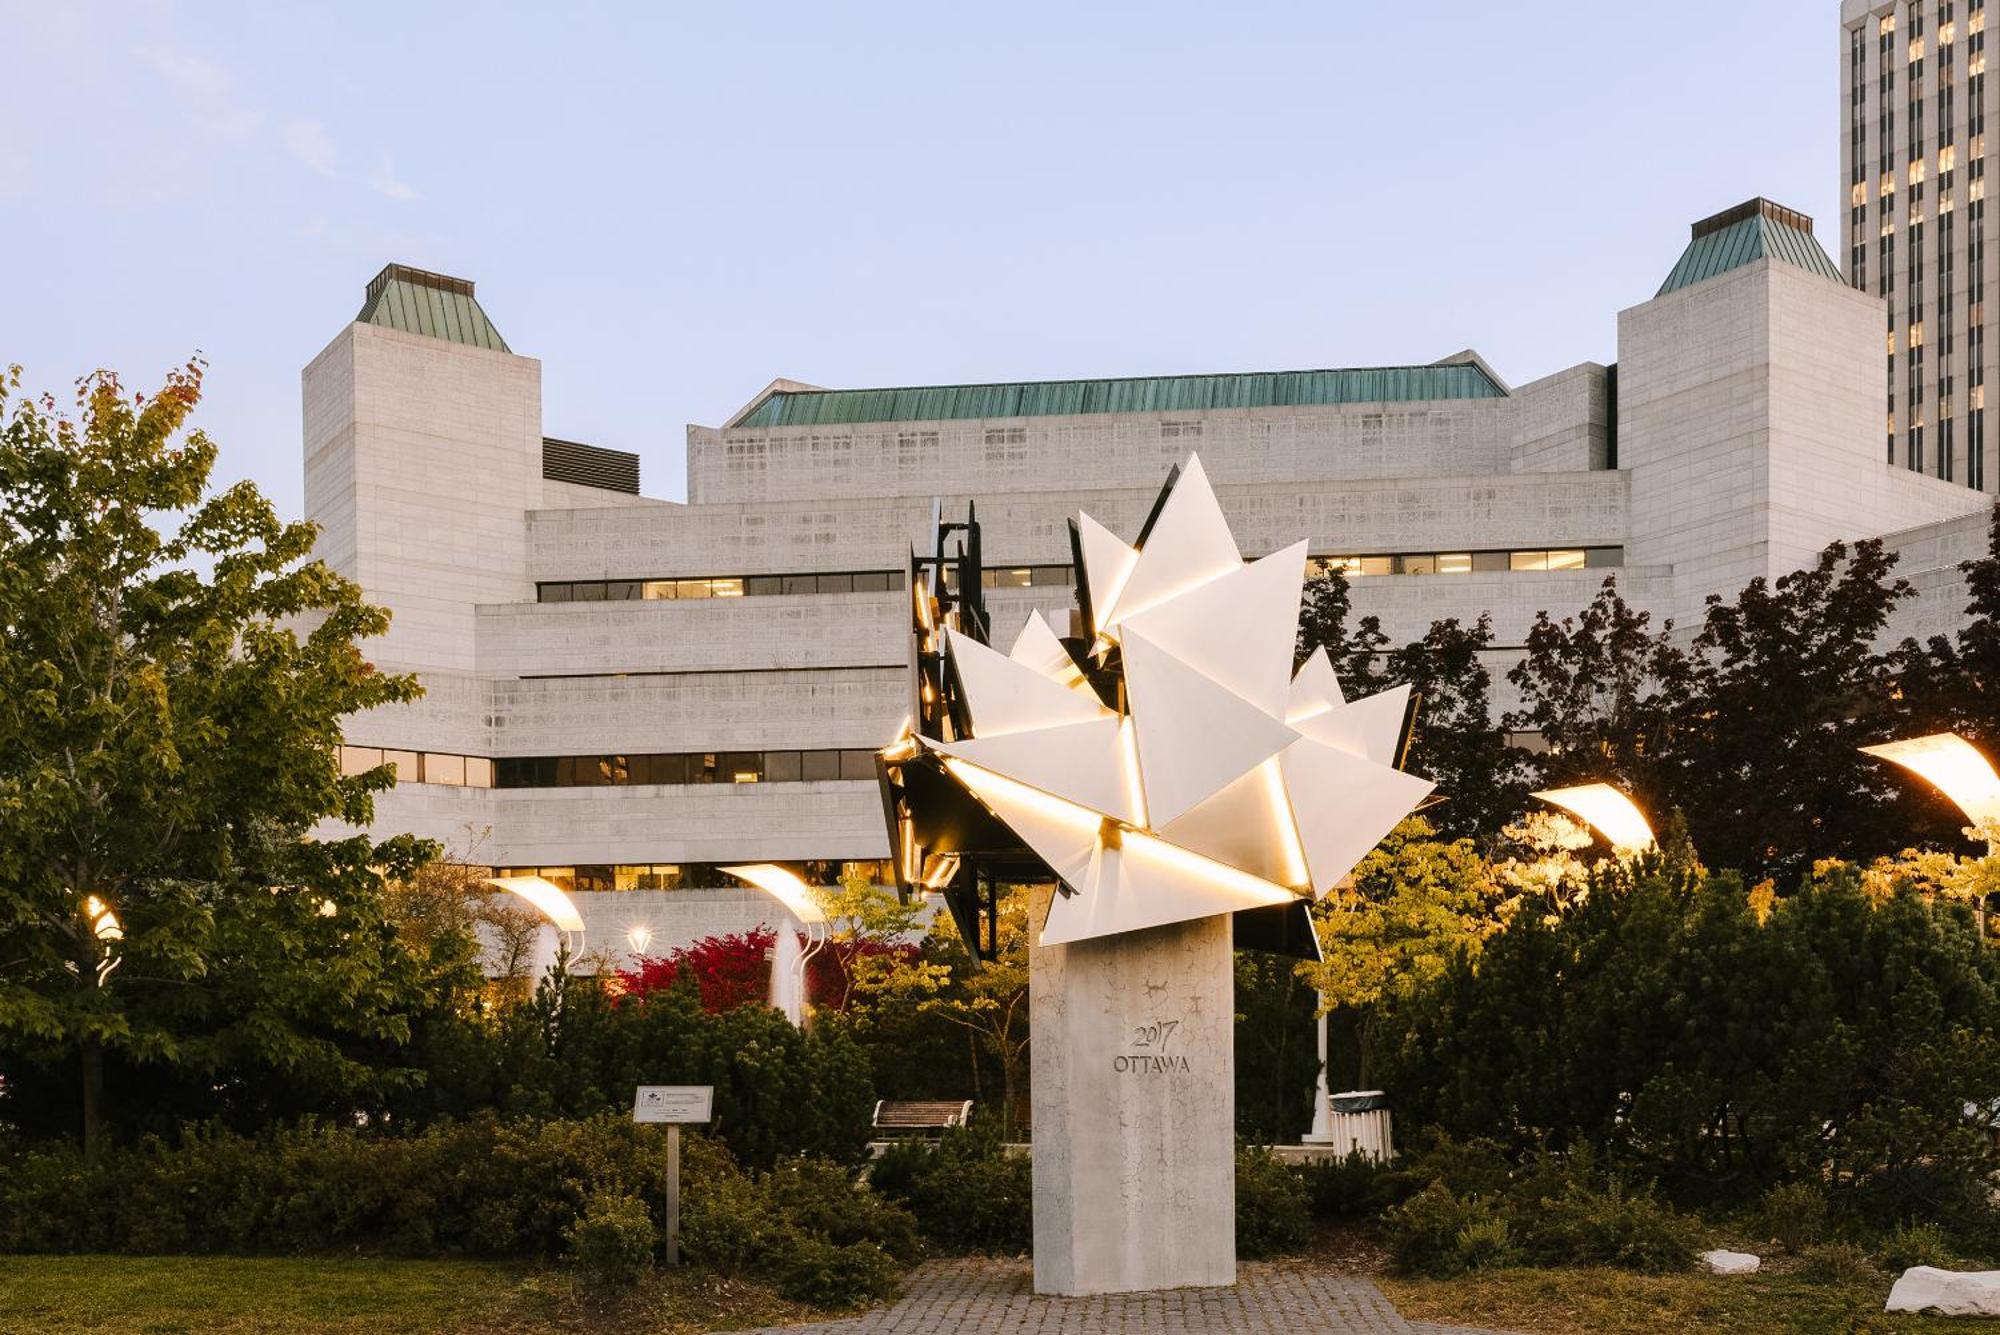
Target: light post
{"x": 788, "y": 965}
{"x": 1955, "y": 768}
{"x": 1607, "y": 811}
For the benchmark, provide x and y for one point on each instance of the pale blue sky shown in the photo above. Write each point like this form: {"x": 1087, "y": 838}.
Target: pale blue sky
{"x": 670, "y": 205}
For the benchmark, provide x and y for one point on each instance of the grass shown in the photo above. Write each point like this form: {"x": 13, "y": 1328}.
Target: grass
{"x": 166, "y": 1295}
{"x": 1612, "y": 1302}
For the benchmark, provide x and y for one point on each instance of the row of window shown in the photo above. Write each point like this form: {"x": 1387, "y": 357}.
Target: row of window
{"x": 1466, "y": 563}
{"x": 420, "y": 766}
{"x": 683, "y": 767}
{"x": 602, "y": 877}
{"x": 1052, "y": 576}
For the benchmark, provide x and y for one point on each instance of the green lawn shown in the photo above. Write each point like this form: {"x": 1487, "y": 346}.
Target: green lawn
{"x": 1614, "y": 1302}
{"x": 165, "y": 1295}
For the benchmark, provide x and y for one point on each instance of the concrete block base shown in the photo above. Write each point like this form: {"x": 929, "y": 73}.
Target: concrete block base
{"x": 1134, "y": 1110}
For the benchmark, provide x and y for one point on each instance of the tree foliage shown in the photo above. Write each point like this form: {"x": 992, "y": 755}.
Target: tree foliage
{"x": 173, "y": 673}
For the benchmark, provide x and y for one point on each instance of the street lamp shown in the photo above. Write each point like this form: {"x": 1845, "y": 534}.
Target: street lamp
{"x": 1955, "y": 768}
{"x": 546, "y": 896}
{"x": 1606, "y": 810}
{"x": 788, "y": 964}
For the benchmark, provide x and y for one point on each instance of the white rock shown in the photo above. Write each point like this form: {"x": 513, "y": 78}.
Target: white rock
{"x": 1950, "y": 1292}
{"x": 1730, "y": 1263}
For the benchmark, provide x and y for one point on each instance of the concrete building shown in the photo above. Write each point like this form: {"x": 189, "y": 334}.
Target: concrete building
{"x": 627, "y": 693}
{"x": 1915, "y": 101}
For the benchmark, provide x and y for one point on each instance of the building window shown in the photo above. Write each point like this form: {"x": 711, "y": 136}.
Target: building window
{"x": 1179, "y": 430}
{"x": 454, "y": 771}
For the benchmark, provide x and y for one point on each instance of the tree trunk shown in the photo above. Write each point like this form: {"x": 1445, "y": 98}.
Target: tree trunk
{"x": 93, "y": 1098}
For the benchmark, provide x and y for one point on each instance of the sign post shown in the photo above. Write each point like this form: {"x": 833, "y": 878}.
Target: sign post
{"x": 674, "y": 1105}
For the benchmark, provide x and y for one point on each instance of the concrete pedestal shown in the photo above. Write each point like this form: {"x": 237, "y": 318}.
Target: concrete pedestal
{"x": 1135, "y": 1110}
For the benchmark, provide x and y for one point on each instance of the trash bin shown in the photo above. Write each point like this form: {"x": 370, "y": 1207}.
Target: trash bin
{"x": 1360, "y": 1122}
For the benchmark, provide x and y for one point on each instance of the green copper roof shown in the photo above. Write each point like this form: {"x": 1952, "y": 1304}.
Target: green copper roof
{"x": 1146, "y": 394}
{"x": 1749, "y": 232}
{"x": 435, "y": 305}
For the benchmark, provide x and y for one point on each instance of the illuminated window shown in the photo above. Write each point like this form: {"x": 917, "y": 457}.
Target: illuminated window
{"x": 1566, "y": 560}
{"x": 1916, "y": 49}
{"x": 1892, "y": 342}
{"x": 1947, "y": 157}
{"x": 1917, "y": 334}
{"x": 1887, "y": 25}
{"x": 1888, "y": 223}
{"x": 1888, "y": 184}
{"x": 1978, "y": 397}
{"x": 1454, "y": 563}
{"x": 1917, "y": 172}
{"x": 478, "y": 772}
{"x": 407, "y": 768}
{"x": 1947, "y": 33}
{"x": 1528, "y": 561}
{"x": 1418, "y": 565}
{"x": 1976, "y": 66}
{"x": 1977, "y": 23}
{"x": 1977, "y": 190}
{"x": 1859, "y": 195}
{"x": 444, "y": 769}
{"x": 359, "y": 759}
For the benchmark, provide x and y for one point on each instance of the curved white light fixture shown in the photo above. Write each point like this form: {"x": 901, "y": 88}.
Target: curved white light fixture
{"x": 783, "y": 886}
{"x": 1953, "y": 766}
{"x": 788, "y": 964}
{"x": 546, "y": 896}
{"x": 1606, "y": 810}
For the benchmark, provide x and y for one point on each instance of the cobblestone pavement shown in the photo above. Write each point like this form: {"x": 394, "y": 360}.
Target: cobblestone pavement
{"x": 996, "y": 1298}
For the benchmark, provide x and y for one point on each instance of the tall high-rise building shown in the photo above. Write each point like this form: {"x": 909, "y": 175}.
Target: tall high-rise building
{"x": 1913, "y": 176}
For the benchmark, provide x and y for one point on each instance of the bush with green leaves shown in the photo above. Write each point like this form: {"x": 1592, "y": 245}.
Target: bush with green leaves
{"x": 813, "y": 1270}
{"x": 612, "y": 1240}
{"x": 967, "y": 1191}
{"x": 593, "y": 1190}
{"x": 1439, "y": 1233}
{"x": 1836, "y": 1263}
{"x": 1794, "y": 1214}
{"x": 1710, "y": 1038}
{"x": 1607, "y": 1224}
{"x": 1273, "y": 1210}
{"x": 1350, "y": 1187}
{"x": 1908, "y": 1245}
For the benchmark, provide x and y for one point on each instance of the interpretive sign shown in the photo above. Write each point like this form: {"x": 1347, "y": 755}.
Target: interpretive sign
{"x": 674, "y": 1103}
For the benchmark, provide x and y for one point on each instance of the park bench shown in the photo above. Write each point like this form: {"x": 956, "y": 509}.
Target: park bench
{"x": 905, "y": 1118}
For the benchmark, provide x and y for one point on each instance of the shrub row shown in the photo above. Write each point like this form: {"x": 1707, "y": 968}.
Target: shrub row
{"x": 591, "y": 1190}
{"x": 1475, "y": 1209}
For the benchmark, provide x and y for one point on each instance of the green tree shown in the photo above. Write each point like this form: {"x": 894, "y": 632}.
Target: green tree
{"x": 1788, "y": 685}
{"x": 1457, "y": 743}
{"x": 1603, "y": 689}
{"x": 1413, "y": 905}
{"x": 1327, "y": 621}
{"x": 173, "y": 673}
{"x": 990, "y": 1000}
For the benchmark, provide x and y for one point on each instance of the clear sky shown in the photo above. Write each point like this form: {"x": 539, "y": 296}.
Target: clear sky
{"x": 672, "y": 204}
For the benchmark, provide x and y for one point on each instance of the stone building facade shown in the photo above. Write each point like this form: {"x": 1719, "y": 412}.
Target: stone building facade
{"x": 625, "y": 693}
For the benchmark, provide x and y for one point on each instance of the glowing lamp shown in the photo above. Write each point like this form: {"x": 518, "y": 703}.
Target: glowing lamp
{"x": 1953, "y": 766}
{"x": 1606, "y": 810}
{"x": 545, "y": 895}
{"x": 783, "y": 886}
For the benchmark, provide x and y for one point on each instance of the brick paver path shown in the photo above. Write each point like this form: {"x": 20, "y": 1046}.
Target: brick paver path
{"x": 990, "y": 1297}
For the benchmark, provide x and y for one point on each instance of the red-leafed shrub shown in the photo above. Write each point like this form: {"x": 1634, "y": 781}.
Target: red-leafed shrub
{"x": 729, "y": 971}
